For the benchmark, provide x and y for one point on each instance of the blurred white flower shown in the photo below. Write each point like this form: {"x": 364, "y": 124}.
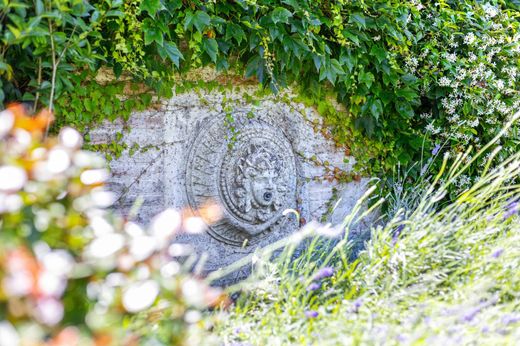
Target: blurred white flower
{"x": 102, "y": 199}
{"x": 8, "y": 335}
{"x": 18, "y": 284}
{"x": 41, "y": 172}
{"x": 164, "y": 225}
{"x": 58, "y": 161}
{"x": 51, "y": 284}
{"x": 170, "y": 269}
{"x": 133, "y": 229}
{"x": 12, "y": 178}
{"x": 87, "y": 159}
{"x": 179, "y": 250}
{"x": 49, "y": 311}
{"x": 10, "y": 203}
{"x": 58, "y": 262}
{"x": 125, "y": 262}
{"x": 115, "y": 279}
{"x": 6, "y": 122}
{"x": 94, "y": 176}
{"x": 142, "y": 247}
{"x": 192, "y": 316}
{"x": 38, "y": 153}
{"x": 140, "y": 295}
{"x": 105, "y": 245}
{"x": 70, "y": 138}
{"x": 193, "y": 292}
{"x": 100, "y": 226}
{"x": 194, "y": 225}
{"x": 22, "y": 140}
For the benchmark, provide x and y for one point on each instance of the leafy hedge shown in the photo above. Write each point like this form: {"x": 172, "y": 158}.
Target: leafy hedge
{"x": 412, "y": 75}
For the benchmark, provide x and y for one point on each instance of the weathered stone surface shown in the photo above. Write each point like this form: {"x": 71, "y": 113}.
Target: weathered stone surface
{"x": 254, "y": 160}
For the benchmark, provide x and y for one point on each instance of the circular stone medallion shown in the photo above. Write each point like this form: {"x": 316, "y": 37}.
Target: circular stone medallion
{"x": 253, "y": 177}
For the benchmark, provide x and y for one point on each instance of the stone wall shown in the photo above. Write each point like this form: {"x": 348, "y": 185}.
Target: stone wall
{"x": 156, "y": 173}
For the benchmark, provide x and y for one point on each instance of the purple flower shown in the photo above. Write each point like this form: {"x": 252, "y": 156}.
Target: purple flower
{"x": 357, "y": 304}
{"x": 324, "y": 273}
{"x": 497, "y": 253}
{"x": 436, "y": 149}
{"x": 397, "y": 233}
{"x": 511, "y": 210}
{"x": 311, "y": 314}
{"x": 313, "y": 286}
{"x": 510, "y": 319}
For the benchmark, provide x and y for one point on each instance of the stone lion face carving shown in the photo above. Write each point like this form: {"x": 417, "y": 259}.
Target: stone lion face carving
{"x": 257, "y": 186}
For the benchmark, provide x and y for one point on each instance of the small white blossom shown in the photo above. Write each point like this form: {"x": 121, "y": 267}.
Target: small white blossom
{"x": 451, "y": 57}
{"x": 444, "y": 82}
{"x": 490, "y": 10}
{"x": 470, "y": 38}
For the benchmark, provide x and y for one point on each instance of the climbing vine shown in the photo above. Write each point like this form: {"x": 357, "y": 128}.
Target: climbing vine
{"x": 409, "y": 75}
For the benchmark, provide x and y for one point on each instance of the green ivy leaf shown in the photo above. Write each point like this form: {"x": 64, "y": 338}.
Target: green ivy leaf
{"x": 378, "y": 52}
{"x": 358, "y": 19}
{"x": 376, "y": 108}
{"x": 235, "y": 31}
{"x": 200, "y": 19}
{"x": 367, "y": 78}
{"x": 150, "y": 6}
{"x": 170, "y": 50}
{"x": 281, "y": 15}
{"x": 404, "y": 108}
{"x": 408, "y": 93}
{"x": 151, "y": 32}
{"x": 211, "y": 47}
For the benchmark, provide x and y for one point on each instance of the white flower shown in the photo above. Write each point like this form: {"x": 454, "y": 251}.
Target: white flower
{"x": 105, "y": 246}
{"x": 194, "y": 225}
{"x": 49, "y": 311}
{"x": 94, "y": 176}
{"x": 58, "y": 161}
{"x": 140, "y": 295}
{"x": 142, "y": 247}
{"x": 12, "y": 178}
{"x": 70, "y": 138}
{"x": 432, "y": 129}
{"x": 6, "y": 122}
{"x": 58, "y": 262}
{"x": 8, "y": 335}
{"x": 444, "y": 82}
{"x": 451, "y": 57}
{"x": 469, "y": 39}
{"x": 490, "y": 10}
{"x": 164, "y": 225}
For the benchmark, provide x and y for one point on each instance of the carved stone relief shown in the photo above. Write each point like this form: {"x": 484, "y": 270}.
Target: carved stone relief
{"x": 253, "y": 177}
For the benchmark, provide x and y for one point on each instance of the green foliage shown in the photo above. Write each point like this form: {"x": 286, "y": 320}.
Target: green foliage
{"x": 393, "y": 65}
{"x": 89, "y": 103}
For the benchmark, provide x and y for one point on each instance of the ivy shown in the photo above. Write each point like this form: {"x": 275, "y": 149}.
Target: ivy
{"x": 359, "y": 52}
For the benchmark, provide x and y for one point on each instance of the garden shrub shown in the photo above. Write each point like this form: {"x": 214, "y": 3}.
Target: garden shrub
{"x": 71, "y": 273}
